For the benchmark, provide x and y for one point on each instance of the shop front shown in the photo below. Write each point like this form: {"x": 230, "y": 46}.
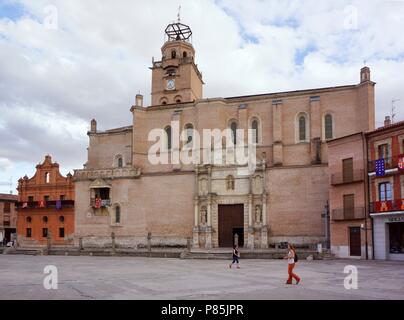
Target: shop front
{"x": 389, "y": 235}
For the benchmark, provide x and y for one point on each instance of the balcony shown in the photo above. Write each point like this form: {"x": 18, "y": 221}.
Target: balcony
{"x": 356, "y": 213}
{"x": 104, "y": 203}
{"x": 112, "y": 173}
{"x": 341, "y": 178}
{"x": 386, "y": 206}
{"x": 389, "y": 163}
{"x": 46, "y": 204}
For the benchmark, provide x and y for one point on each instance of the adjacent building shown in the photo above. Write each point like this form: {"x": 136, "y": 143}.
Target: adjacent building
{"x": 386, "y": 189}
{"x": 121, "y": 191}
{"x": 8, "y": 217}
{"x": 367, "y": 193}
{"x": 45, "y": 207}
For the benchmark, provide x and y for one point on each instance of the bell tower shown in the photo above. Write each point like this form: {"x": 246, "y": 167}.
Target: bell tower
{"x": 176, "y": 78}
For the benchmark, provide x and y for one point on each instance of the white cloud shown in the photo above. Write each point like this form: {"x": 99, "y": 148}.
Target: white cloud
{"x": 52, "y": 82}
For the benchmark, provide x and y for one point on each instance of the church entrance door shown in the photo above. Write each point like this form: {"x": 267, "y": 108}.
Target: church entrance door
{"x": 231, "y": 222}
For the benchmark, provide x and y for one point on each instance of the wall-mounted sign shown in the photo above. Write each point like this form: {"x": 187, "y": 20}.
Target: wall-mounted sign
{"x": 396, "y": 219}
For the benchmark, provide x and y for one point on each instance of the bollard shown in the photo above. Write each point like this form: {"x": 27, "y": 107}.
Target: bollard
{"x": 80, "y": 243}
{"x": 113, "y": 241}
{"x": 149, "y": 236}
{"x": 49, "y": 244}
{"x": 188, "y": 244}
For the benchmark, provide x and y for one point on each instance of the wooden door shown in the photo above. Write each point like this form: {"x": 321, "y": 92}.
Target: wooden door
{"x": 349, "y": 206}
{"x": 231, "y": 221}
{"x": 355, "y": 241}
{"x": 347, "y": 170}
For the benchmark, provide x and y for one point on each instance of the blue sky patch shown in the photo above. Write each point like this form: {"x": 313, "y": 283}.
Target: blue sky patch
{"x": 300, "y": 54}
{"x": 11, "y": 10}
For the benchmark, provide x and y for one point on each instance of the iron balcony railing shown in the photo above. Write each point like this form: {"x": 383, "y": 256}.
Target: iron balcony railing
{"x": 341, "y": 178}
{"x": 355, "y": 213}
{"x": 102, "y": 203}
{"x": 44, "y": 204}
{"x": 386, "y": 206}
{"x": 389, "y": 163}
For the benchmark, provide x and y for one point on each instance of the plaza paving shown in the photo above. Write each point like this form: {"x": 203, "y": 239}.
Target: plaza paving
{"x": 86, "y": 277}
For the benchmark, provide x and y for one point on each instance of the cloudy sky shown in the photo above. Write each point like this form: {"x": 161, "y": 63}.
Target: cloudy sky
{"x": 63, "y": 63}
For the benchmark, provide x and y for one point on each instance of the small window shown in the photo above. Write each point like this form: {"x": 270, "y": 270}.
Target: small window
{"x": 255, "y": 128}
{"x": 184, "y": 54}
{"x": 45, "y": 219}
{"x": 164, "y": 102}
{"x": 62, "y": 219}
{"x": 233, "y": 128}
{"x": 178, "y": 101}
{"x": 117, "y": 214}
{"x": 7, "y": 207}
{"x": 168, "y": 137}
{"x": 61, "y": 232}
{"x": 28, "y": 232}
{"x": 383, "y": 151}
{"x": 28, "y": 219}
{"x": 173, "y": 54}
{"x": 302, "y": 128}
{"x": 189, "y": 129}
{"x": 47, "y": 177}
{"x": 328, "y": 126}
{"x": 30, "y": 199}
{"x": 385, "y": 192}
{"x": 120, "y": 162}
{"x": 44, "y": 232}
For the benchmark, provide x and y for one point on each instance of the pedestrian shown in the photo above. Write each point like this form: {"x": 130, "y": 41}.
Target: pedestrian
{"x": 292, "y": 259}
{"x": 236, "y": 256}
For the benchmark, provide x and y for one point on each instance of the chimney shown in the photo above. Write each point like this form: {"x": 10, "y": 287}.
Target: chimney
{"x": 387, "y": 121}
{"x": 93, "y": 126}
{"x": 139, "y": 100}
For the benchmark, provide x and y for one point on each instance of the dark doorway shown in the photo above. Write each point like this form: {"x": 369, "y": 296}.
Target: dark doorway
{"x": 355, "y": 241}
{"x": 231, "y": 221}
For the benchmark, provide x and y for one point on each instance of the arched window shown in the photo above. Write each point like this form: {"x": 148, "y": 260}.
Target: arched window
{"x": 47, "y": 177}
{"x": 62, "y": 219}
{"x": 189, "y": 129}
{"x": 117, "y": 214}
{"x": 29, "y": 219}
{"x": 120, "y": 162}
{"x": 328, "y": 126}
{"x": 168, "y": 137}
{"x": 178, "y": 101}
{"x": 233, "y": 128}
{"x": 302, "y": 128}
{"x": 45, "y": 219}
{"x": 255, "y": 128}
{"x": 173, "y": 54}
{"x": 184, "y": 54}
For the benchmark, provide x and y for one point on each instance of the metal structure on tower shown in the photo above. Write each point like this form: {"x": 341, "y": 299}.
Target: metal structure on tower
{"x": 178, "y": 31}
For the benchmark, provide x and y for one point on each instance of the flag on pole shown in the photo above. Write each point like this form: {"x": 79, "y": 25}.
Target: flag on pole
{"x": 380, "y": 168}
{"x": 401, "y": 162}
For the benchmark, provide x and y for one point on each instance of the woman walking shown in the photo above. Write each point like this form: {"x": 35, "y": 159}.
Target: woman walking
{"x": 236, "y": 256}
{"x": 292, "y": 259}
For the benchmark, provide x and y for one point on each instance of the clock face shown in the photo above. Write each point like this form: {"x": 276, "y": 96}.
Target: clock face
{"x": 171, "y": 84}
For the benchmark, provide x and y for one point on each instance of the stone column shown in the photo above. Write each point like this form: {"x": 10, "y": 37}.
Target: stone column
{"x": 209, "y": 224}
{"x": 264, "y": 230}
{"x": 250, "y": 242}
{"x": 195, "y": 242}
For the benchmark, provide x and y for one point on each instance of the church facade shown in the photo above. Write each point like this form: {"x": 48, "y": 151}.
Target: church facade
{"x": 121, "y": 191}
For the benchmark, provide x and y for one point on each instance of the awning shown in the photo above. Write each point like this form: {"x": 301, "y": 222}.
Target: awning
{"x": 99, "y": 183}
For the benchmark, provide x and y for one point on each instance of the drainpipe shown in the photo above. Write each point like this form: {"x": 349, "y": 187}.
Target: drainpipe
{"x": 366, "y": 193}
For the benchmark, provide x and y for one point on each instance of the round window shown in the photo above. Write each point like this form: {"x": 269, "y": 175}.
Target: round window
{"x": 29, "y": 219}
{"x": 62, "y": 219}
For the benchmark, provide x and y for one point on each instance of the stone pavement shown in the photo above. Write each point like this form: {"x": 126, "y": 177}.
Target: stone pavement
{"x": 21, "y": 277}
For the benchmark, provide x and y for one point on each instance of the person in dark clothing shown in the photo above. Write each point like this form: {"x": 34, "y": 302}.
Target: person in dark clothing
{"x": 236, "y": 256}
